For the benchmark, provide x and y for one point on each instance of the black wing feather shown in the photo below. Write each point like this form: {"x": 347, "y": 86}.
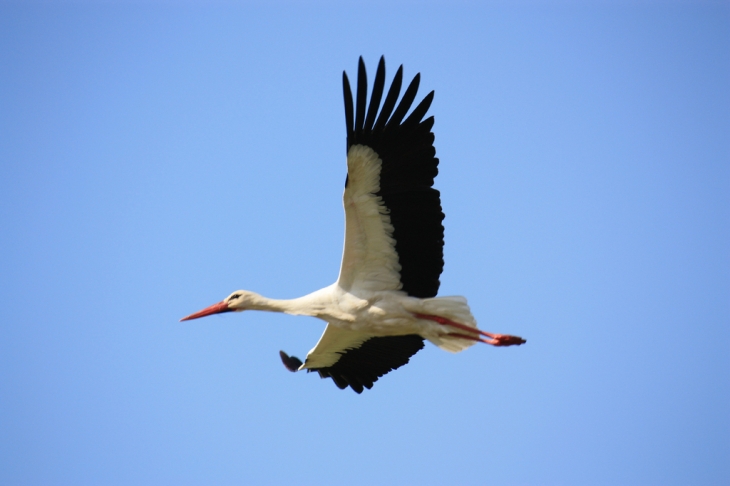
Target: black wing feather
{"x": 360, "y": 367}
{"x": 292, "y": 363}
{"x": 389, "y": 104}
{"x": 406, "y": 101}
{"x": 348, "y": 102}
{"x": 420, "y": 111}
{"x": 362, "y": 94}
{"x": 406, "y": 178}
{"x": 378, "y": 87}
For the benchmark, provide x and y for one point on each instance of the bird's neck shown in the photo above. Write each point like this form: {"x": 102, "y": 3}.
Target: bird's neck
{"x": 299, "y": 306}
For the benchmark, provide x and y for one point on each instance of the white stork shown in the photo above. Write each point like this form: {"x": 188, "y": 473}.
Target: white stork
{"x": 384, "y": 302}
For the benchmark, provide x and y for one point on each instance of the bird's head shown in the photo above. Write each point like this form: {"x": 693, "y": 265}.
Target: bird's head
{"x": 239, "y": 300}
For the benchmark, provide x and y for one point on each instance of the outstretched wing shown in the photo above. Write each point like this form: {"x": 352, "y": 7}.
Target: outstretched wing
{"x": 356, "y": 359}
{"x": 394, "y": 235}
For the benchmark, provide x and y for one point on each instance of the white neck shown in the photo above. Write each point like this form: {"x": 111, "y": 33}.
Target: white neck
{"x": 302, "y": 306}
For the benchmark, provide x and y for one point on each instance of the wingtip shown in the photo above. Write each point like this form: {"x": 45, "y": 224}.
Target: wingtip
{"x": 291, "y": 363}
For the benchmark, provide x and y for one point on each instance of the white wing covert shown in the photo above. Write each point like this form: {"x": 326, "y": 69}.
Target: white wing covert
{"x": 369, "y": 259}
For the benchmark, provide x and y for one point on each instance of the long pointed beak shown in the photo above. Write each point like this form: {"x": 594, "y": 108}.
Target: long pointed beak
{"x": 213, "y": 309}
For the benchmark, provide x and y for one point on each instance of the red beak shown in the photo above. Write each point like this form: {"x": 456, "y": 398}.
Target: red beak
{"x": 213, "y": 309}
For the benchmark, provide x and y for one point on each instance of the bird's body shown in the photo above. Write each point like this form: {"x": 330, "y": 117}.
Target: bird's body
{"x": 384, "y": 302}
{"x": 370, "y": 313}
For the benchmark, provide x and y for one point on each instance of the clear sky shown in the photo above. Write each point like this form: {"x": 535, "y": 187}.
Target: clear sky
{"x": 154, "y": 159}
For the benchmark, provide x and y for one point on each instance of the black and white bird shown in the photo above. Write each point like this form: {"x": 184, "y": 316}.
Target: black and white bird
{"x": 383, "y": 305}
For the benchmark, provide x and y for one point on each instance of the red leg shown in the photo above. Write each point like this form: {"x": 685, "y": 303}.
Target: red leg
{"x": 464, "y": 336}
{"x": 495, "y": 339}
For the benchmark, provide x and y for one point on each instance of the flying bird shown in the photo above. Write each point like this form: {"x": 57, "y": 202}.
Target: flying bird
{"x": 383, "y": 305}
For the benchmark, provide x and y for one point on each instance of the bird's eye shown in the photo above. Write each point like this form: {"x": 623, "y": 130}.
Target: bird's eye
{"x": 234, "y": 296}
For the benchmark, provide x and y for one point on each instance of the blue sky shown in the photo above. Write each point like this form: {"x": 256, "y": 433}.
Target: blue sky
{"x": 155, "y": 158}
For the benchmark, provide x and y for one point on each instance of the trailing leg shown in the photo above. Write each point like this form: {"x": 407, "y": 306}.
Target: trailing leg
{"x": 494, "y": 339}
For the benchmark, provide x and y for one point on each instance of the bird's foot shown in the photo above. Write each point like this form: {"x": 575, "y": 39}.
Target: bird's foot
{"x": 505, "y": 340}
{"x": 497, "y": 340}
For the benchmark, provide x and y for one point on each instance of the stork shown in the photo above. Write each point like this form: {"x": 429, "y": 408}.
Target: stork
{"x": 383, "y": 305}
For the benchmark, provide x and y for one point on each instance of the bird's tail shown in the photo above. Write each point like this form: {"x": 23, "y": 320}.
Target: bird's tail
{"x": 456, "y": 309}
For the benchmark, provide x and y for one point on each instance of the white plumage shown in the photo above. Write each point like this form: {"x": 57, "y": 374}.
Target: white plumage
{"x": 369, "y": 260}
{"x": 383, "y": 304}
